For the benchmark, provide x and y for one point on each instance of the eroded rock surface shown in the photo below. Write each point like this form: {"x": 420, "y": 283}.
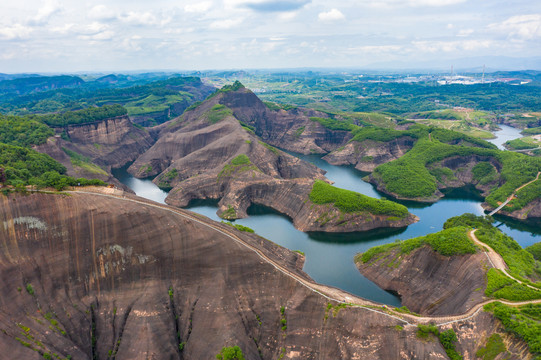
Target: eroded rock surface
{"x": 201, "y": 158}
{"x": 96, "y": 277}
{"x": 430, "y": 283}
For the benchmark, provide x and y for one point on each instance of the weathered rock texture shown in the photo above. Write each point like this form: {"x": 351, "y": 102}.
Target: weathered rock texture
{"x": 291, "y": 130}
{"x": 107, "y": 144}
{"x": 108, "y": 278}
{"x": 430, "y": 283}
{"x": 194, "y": 157}
{"x": 368, "y": 154}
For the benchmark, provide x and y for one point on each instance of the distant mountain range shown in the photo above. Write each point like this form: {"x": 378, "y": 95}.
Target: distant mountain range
{"x": 470, "y": 64}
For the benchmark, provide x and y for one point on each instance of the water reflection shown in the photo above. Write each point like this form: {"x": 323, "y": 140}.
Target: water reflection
{"x": 329, "y": 256}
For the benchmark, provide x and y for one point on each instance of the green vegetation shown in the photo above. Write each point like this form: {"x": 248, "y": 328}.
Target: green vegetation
{"x": 380, "y": 134}
{"x": 230, "y": 213}
{"x": 239, "y": 226}
{"x": 521, "y": 263}
{"x": 448, "y": 242}
{"x": 409, "y": 176}
{"x": 271, "y": 148}
{"x": 334, "y": 309}
{"x": 237, "y": 166}
{"x": 283, "y": 320}
{"x": 532, "y": 131}
{"x": 333, "y": 124}
{"x": 350, "y": 201}
{"x": 521, "y": 144}
{"x": 447, "y": 339}
{"x": 84, "y": 116}
{"x": 83, "y": 162}
{"x": 501, "y": 286}
{"x": 30, "y": 289}
{"x": 493, "y": 348}
{"x": 164, "y": 182}
{"x": 468, "y": 220}
{"x": 405, "y": 310}
{"x": 484, "y": 172}
{"x": 524, "y": 322}
{"x": 535, "y": 250}
{"x": 217, "y": 113}
{"x": 23, "y": 131}
{"x": 230, "y": 353}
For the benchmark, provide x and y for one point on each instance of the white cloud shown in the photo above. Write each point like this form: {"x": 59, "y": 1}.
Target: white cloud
{"x": 225, "y": 24}
{"x": 412, "y": 3}
{"x": 16, "y": 31}
{"x": 65, "y": 29}
{"x": 374, "y": 49}
{"x": 465, "y": 32}
{"x": 92, "y": 28}
{"x": 434, "y": 2}
{"x": 331, "y": 15}
{"x": 50, "y": 8}
{"x": 144, "y": 18}
{"x": 101, "y": 12}
{"x": 452, "y": 46}
{"x": 288, "y": 16}
{"x": 520, "y": 27}
{"x": 199, "y": 7}
{"x": 101, "y": 36}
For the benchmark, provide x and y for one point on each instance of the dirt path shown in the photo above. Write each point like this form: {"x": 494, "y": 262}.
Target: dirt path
{"x": 328, "y": 292}
{"x": 496, "y": 260}
{"x": 513, "y": 195}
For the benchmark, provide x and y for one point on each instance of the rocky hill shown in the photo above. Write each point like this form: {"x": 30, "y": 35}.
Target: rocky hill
{"x": 209, "y": 153}
{"x": 87, "y": 276}
{"x": 91, "y": 150}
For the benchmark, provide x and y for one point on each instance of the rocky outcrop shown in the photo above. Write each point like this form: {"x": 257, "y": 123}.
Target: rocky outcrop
{"x": 91, "y": 150}
{"x": 288, "y": 129}
{"x": 368, "y": 154}
{"x": 198, "y": 158}
{"x": 92, "y": 277}
{"x": 429, "y": 283}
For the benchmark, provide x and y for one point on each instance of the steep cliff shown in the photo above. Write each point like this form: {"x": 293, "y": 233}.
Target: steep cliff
{"x": 208, "y": 153}
{"x": 91, "y": 150}
{"x": 92, "y": 277}
{"x": 430, "y": 283}
{"x": 368, "y": 154}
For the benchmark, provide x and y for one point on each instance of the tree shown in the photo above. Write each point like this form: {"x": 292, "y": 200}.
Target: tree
{"x": 230, "y": 353}
{"x": 3, "y": 177}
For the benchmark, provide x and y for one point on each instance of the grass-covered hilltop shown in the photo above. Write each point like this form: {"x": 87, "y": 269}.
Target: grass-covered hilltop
{"x": 469, "y": 264}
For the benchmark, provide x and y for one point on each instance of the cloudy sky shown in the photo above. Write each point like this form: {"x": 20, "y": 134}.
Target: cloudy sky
{"x": 114, "y": 35}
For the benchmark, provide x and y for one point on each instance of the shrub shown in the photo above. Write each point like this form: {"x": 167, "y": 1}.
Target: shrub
{"x": 350, "y": 201}
{"x": 230, "y": 353}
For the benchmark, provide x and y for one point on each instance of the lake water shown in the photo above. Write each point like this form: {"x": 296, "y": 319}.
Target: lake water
{"x": 329, "y": 257}
{"x": 505, "y": 134}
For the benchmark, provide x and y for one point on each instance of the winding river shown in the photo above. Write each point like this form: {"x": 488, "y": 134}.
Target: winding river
{"x": 329, "y": 257}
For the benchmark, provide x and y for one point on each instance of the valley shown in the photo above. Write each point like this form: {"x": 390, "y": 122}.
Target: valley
{"x": 324, "y": 189}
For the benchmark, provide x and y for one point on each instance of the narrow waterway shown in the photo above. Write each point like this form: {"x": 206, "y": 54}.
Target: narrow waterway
{"x": 505, "y": 134}
{"x": 329, "y": 257}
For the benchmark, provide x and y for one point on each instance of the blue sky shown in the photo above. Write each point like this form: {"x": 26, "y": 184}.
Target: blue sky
{"x": 114, "y": 35}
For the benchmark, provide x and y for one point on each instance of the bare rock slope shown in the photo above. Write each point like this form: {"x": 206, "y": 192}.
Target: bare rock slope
{"x": 91, "y": 150}
{"x": 90, "y": 277}
{"x": 430, "y": 283}
{"x": 209, "y": 153}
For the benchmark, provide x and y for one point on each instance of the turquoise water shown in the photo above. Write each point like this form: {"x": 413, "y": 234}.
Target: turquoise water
{"x": 329, "y": 257}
